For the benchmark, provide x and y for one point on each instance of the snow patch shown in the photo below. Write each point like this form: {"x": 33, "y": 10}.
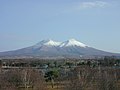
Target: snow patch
{"x": 48, "y": 42}
{"x": 72, "y": 42}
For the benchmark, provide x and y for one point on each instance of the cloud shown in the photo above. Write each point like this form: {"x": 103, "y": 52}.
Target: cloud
{"x": 93, "y": 4}
{"x": 77, "y": 6}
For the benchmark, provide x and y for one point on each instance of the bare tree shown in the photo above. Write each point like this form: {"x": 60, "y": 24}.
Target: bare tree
{"x": 84, "y": 78}
{"x": 80, "y": 79}
{"x": 33, "y": 78}
{"x": 106, "y": 79}
{"x": 25, "y": 78}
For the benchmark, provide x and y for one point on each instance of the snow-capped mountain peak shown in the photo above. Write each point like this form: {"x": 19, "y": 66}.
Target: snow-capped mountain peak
{"x": 49, "y": 48}
{"x": 48, "y": 42}
{"x": 72, "y": 42}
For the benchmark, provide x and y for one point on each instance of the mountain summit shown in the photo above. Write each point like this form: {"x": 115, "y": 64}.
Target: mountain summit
{"x": 72, "y": 42}
{"x": 68, "y": 43}
{"x": 49, "y": 48}
{"x": 48, "y": 42}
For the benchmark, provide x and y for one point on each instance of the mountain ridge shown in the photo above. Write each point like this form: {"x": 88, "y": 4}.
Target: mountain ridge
{"x": 50, "y": 48}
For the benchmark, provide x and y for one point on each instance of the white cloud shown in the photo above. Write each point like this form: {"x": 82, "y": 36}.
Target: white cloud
{"x": 77, "y": 6}
{"x": 93, "y": 4}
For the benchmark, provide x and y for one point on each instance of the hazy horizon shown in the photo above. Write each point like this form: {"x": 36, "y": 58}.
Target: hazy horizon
{"x": 95, "y": 23}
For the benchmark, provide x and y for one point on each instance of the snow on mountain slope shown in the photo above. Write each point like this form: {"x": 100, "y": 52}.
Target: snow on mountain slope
{"x": 72, "y": 42}
{"x": 47, "y": 43}
{"x": 50, "y": 48}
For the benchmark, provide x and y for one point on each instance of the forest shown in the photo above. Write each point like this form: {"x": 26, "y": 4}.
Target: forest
{"x": 63, "y": 74}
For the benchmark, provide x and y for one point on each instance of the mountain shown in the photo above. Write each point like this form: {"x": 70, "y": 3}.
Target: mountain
{"x": 49, "y": 48}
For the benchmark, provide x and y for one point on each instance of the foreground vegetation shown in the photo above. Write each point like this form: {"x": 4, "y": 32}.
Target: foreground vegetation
{"x": 66, "y": 74}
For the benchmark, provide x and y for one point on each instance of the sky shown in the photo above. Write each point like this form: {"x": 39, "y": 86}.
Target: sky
{"x": 95, "y": 23}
